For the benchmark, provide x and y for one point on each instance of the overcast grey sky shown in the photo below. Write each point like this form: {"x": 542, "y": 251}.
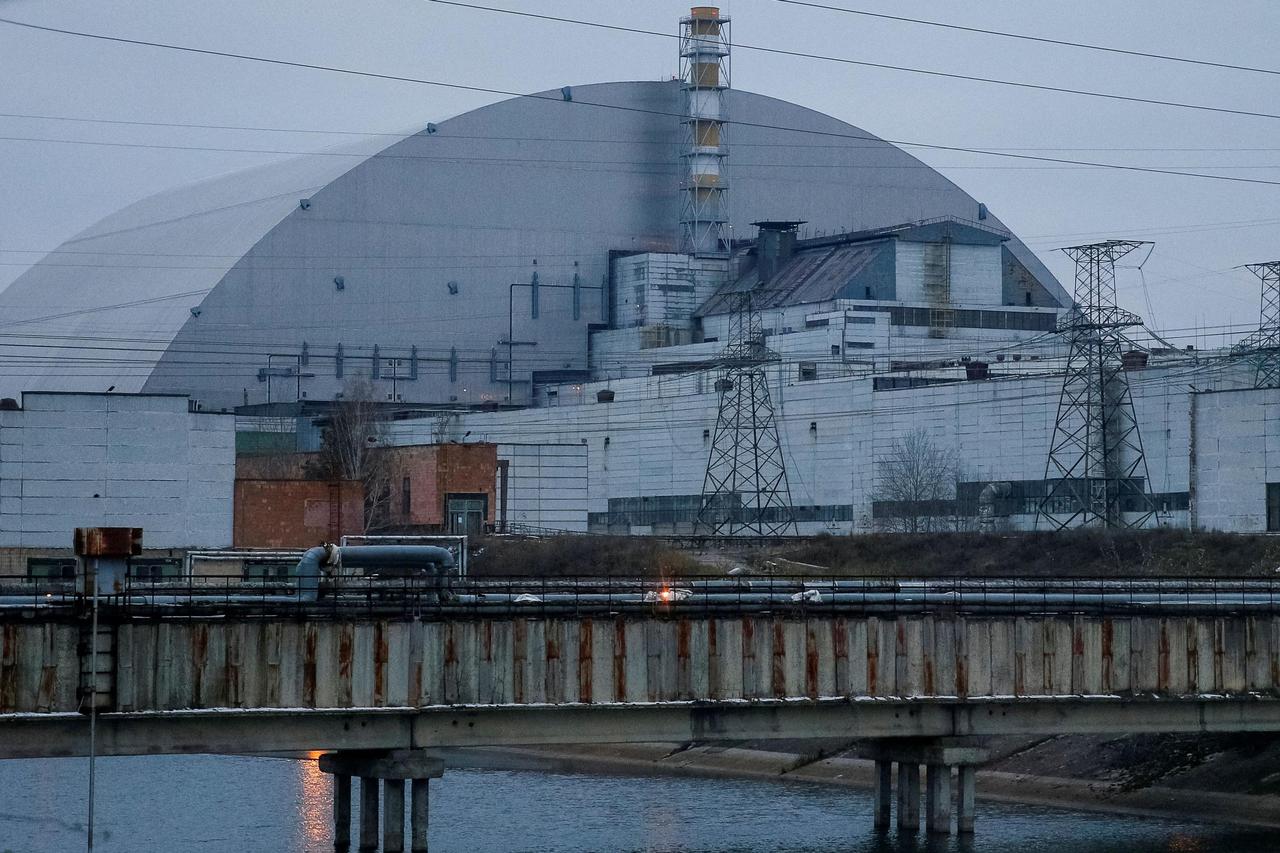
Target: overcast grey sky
{"x": 1202, "y": 228}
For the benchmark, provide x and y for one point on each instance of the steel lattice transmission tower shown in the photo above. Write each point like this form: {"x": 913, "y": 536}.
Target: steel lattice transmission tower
{"x": 1096, "y": 474}
{"x": 745, "y": 490}
{"x": 1263, "y": 346}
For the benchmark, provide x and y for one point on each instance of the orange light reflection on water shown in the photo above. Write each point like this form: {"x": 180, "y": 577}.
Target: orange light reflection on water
{"x": 315, "y": 803}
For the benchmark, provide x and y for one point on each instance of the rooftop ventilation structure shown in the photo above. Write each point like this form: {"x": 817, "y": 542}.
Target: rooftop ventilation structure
{"x": 775, "y": 245}
{"x": 704, "y": 72}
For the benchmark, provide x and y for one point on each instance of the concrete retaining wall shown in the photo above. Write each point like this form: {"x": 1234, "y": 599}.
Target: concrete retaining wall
{"x": 345, "y": 664}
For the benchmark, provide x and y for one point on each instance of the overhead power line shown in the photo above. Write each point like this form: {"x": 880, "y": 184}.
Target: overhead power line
{"x": 844, "y": 60}
{"x": 1165, "y": 57}
{"x": 577, "y": 102}
{"x": 674, "y": 142}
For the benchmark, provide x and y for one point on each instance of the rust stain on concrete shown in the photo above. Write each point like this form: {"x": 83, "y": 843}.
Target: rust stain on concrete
{"x": 586, "y": 652}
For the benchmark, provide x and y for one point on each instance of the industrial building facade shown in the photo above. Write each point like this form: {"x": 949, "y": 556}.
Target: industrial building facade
{"x": 563, "y": 277}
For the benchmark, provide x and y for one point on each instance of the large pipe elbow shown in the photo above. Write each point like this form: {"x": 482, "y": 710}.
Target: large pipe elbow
{"x": 309, "y": 569}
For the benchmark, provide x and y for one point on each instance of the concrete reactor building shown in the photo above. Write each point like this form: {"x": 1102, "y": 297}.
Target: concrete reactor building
{"x": 561, "y": 275}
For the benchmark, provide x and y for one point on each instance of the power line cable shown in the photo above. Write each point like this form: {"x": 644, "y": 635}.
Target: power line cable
{"x": 580, "y": 164}
{"x": 558, "y": 99}
{"x": 674, "y": 143}
{"x": 1061, "y": 90}
{"x": 1165, "y": 57}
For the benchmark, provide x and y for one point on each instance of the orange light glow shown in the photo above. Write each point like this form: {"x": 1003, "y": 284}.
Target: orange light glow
{"x": 314, "y": 802}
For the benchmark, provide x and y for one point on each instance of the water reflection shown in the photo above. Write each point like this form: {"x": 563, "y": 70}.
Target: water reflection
{"x": 315, "y": 804}
{"x": 261, "y": 805}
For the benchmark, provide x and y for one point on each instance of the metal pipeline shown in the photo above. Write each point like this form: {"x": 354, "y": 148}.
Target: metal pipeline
{"x": 392, "y": 560}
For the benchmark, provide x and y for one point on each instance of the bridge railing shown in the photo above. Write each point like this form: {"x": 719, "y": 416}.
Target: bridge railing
{"x": 562, "y": 596}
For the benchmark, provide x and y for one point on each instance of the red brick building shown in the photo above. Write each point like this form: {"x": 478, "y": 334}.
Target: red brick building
{"x": 295, "y": 513}
{"x": 435, "y": 488}
{"x": 443, "y": 487}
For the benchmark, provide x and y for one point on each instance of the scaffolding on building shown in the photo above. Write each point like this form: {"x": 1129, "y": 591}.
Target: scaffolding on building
{"x": 1096, "y": 474}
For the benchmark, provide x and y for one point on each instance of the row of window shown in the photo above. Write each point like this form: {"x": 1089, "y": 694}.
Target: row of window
{"x": 676, "y": 509}
{"x": 141, "y": 568}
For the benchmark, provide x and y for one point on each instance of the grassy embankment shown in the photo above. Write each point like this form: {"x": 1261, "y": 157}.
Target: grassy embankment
{"x": 1086, "y": 553}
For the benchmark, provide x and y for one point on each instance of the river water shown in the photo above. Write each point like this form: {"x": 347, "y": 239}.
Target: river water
{"x": 211, "y": 804}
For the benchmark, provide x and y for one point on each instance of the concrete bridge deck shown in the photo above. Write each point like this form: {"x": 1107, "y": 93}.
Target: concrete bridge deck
{"x": 380, "y": 676}
{"x": 252, "y": 669}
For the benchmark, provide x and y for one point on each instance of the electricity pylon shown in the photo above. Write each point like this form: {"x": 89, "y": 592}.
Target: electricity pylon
{"x": 1263, "y": 346}
{"x": 1096, "y": 473}
{"x": 745, "y": 490}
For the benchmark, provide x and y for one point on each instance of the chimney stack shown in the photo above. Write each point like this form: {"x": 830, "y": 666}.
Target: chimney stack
{"x": 704, "y": 72}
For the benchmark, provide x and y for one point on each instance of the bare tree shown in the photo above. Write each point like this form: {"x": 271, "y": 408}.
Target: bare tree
{"x": 917, "y": 482}
{"x": 351, "y": 449}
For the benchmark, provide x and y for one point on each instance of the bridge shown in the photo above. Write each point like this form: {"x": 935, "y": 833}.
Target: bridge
{"x": 378, "y": 673}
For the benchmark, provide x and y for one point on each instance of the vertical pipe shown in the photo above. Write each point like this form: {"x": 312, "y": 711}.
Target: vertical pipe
{"x": 93, "y": 700}
{"x": 883, "y": 793}
{"x": 418, "y": 817}
{"x": 341, "y": 813}
{"x": 577, "y": 292}
{"x": 964, "y": 799}
{"x": 368, "y": 814}
{"x": 908, "y": 797}
{"x": 939, "y": 784}
{"x": 393, "y": 816}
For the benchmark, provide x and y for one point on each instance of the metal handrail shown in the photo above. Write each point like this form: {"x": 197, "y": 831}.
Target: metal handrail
{"x": 786, "y": 596}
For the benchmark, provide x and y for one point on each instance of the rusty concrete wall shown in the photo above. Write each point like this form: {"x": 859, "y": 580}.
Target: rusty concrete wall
{"x": 39, "y": 667}
{"x": 339, "y": 664}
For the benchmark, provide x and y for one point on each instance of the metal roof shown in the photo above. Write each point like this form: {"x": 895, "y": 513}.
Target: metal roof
{"x": 180, "y": 280}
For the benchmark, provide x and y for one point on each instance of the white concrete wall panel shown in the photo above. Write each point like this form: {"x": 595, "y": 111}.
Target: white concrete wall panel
{"x": 82, "y": 460}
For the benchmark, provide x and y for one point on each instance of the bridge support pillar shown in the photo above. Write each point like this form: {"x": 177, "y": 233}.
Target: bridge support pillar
{"x": 390, "y": 769}
{"x": 393, "y": 816}
{"x": 418, "y": 814}
{"x": 941, "y": 756}
{"x": 368, "y": 814}
{"x": 341, "y": 812}
{"x": 964, "y": 799}
{"x": 908, "y": 796}
{"x": 938, "y": 782}
{"x": 883, "y": 793}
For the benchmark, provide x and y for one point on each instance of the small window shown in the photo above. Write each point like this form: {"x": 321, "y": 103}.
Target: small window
{"x": 1273, "y": 508}
{"x": 406, "y": 498}
{"x": 155, "y": 568}
{"x": 835, "y": 349}
{"x": 267, "y": 571}
{"x": 867, "y": 290}
{"x": 51, "y": 568}
{"x": 1027, "y": 297}
{"x": 808, "y": 371}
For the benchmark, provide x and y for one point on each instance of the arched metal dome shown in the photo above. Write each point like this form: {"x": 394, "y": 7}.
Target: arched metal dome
{"x": 409, "y": 252}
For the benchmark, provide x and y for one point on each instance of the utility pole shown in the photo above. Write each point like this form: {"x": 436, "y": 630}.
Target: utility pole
{"x": 1263, "y": 346}
{"x": 1096, "y": 473}
{"x": 745, "y": 490}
